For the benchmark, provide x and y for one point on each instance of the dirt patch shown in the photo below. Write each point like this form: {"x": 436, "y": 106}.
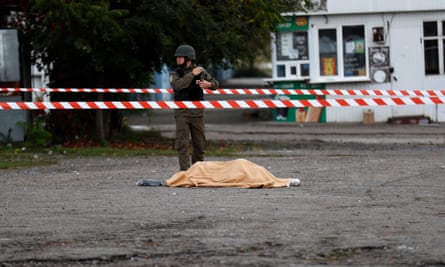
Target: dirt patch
{"x": 359, "y": 205}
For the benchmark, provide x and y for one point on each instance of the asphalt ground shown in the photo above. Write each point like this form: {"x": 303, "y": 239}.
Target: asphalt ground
{"x": 258, "y": 125}
{"x": 370, "y": 196}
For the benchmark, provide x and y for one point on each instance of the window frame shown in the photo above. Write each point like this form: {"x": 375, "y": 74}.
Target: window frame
{"x": 440, "y": 39}
{"x": 316, "y": 76}
{"x": 290, "y": 68}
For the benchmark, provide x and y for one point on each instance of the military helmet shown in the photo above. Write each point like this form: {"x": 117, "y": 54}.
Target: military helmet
{"x": 185, "y": 51}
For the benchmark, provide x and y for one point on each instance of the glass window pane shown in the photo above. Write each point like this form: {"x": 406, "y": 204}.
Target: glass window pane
{"x": 281, "y": 71}
{"x": 429, "y": 28}
{"x": 431, "y": 57}
{"x": 292, "y": 46}
{"x": 304, "y": 69}
{"x": 284, "y": 46}
{"x": 301, "y": 45}
{"x": 327, "y": 44}
{"x": 354, "y": 56}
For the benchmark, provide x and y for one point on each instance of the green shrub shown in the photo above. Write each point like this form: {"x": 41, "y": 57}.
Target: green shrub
{"x": 36, "y": 134}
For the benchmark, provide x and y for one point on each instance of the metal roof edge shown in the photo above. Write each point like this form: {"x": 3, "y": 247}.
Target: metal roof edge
{"x": 327, "y": 13}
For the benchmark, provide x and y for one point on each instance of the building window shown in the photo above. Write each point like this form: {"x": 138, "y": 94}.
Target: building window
{"x": 292, "y": 55}
{"x": 342, "y": 53}
{"x": 292, "y": 46}
{"x": 434, "y": 47}
{"x": 354, "y": 58}
{"x": 327, "y": 45}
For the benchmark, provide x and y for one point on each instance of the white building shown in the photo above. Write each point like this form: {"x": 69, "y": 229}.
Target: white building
{"x": 364, "y": 44}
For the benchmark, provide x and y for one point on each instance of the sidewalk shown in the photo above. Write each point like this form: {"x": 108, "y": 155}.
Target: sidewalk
{"x": 231, "y": 127}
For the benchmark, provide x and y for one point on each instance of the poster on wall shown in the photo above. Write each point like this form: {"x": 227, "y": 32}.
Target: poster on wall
{"x": 292, "y": 46}
{"x": 328, "y": 66}
{"x": 354, "y": 58}
{"x": 292, "y": 39}
{"x": 379, "y": 62}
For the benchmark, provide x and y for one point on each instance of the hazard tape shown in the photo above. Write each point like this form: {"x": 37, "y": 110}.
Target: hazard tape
{"x": 224, "y": 104}
{"x": 244, "y": 91}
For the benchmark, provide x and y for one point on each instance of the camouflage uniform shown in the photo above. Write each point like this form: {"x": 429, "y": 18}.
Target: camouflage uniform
{"x": 189, "y": 122}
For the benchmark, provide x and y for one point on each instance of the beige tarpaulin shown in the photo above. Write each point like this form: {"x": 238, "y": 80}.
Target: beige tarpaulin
{"x": 239, "y": 173}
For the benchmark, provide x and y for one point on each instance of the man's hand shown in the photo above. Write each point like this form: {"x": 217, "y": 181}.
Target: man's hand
{"x": 205, "y": 84}
{"x": 196, "y": 71}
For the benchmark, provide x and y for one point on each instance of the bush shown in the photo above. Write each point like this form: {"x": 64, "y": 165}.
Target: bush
{"x": 36, "y": 133}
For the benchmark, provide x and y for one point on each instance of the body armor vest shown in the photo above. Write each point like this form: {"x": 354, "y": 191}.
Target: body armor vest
{"x": 192, "y": 92}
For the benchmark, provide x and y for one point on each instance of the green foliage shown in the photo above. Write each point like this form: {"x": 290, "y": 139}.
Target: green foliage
{"x": 131, "y": 38}
{"x": 119, "y": 43}
{"x": 21, "y": 157}
{"x": 85, "y": 43}
{"x": 36, "y": 134}
{"x": 233, "y": 30}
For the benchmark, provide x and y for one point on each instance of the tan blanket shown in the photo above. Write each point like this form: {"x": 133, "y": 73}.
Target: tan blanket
{"x": 239, "y": 173}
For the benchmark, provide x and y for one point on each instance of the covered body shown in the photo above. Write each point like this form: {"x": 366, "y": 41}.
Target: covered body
{"x": 239, "y": 173}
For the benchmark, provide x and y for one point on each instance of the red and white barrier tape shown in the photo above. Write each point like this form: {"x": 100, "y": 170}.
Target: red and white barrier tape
{"x": 224, "y": 104}
{"x": 245, "y": 91}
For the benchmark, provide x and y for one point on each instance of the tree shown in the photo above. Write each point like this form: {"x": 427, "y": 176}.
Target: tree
{"x": 86, "y": 44}
{"x": 118, "y": 43}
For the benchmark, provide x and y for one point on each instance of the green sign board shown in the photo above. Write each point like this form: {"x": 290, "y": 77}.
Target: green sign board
{"x": 300, "y": 23}
{"x": 299, "y": 115}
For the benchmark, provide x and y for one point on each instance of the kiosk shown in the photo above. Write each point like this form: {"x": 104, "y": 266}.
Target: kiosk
{"x": 291, "y": 69}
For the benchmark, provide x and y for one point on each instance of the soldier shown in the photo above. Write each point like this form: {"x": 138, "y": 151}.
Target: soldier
{"x": 188, "y": 82}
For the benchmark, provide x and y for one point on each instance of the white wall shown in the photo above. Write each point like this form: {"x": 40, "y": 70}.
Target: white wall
{"x": 360, "y": 6}
{"x": 404, "y": 37}
{"x": 377, "y": 6}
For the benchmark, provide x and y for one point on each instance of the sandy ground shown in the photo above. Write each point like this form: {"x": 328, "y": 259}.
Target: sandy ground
{"x": 360, "y": 204}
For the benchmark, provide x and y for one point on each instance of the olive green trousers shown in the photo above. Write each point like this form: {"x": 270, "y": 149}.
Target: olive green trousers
{"x": 189, "y": 127}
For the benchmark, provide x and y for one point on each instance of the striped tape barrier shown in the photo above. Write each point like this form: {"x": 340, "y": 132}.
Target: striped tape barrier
{"x": 224, "y": 104}
{"x": 245, "y": 91}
